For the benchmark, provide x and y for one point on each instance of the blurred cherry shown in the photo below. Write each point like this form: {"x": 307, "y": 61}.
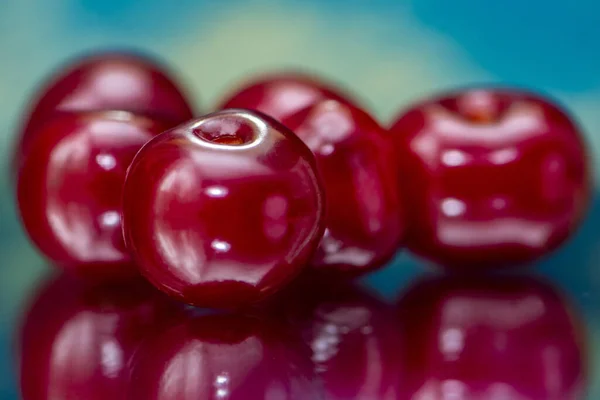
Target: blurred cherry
{"x": 281, "y": 95}
{"x": 76, "y": 340}
{"x": 69, "y": 188}
{"x": 107, "y": 81}
{"x": 490, "y": 338}
{"x": 112, "y": 81}
{"x": 214, "y": 357}
{"x": 365, "y": 221}
{"x": 490, "y": 177}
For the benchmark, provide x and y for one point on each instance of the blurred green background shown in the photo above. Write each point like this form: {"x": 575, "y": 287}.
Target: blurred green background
{"x": 390, "y": 52}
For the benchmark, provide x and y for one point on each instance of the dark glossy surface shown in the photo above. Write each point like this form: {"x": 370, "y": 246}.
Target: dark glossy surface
{"x": 353, "y": 337}
{"x": 364, "y": 217}
{"x": 76, "y": 340}
{"x": 489, "y": 339}
{"x": 223, "y": 210}
{"x": 491, "y": 177}
{"x": 281, "y": 95}
{"x": 223, "y": 357}
{"x": 70, "y": 185}
{"x": 448, "y": 337}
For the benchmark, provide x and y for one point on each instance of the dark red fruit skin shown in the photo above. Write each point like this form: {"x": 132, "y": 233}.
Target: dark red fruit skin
{"x": 492, "y": 177}
{"x": 69, "y": 189}
{"x": 480, "y": 338}
{"x": 107, "y": 81}
{"x": 353, "y": 336}
{"x": 281, "y": 95}
{"x": 364, "y": 215}
{"x": 213, "y": 357}
{"x": 224, "y": 210}
{"x": 76, "y": 340}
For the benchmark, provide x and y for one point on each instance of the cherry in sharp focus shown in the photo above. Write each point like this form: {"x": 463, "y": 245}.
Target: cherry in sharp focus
{"x": 224, "y": 210}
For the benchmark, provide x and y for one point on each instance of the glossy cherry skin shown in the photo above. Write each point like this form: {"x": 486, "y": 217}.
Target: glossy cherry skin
{"x": 492, "y": 177}
{"x": 224, "y": 210}
{"x": 281, "y": 95}
{"x": 215, "y": 357}
{"x": 353, "y": 337}
{"x": 364, "y": 216}
{"x": 108, "y": 81}
{"x": 491, "y": 338}
{"x": 77, "y": 340}
{"x": 70, "y": 185}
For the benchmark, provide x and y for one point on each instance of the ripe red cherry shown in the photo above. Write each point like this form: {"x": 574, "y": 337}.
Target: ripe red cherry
{"x": 118, "y": 81}
{"x": 222, "y": 357}
{"x": 223, "y": 210}
{"x": 364, "y": 218}
{"x": 108, "y": 81}
{"x": 70, "y": 185}
{"x": 491, "y": 176}
{"x": 353, "y": 338}
{"x": 77, "y": 340}
{"x": 490, "y": 338}
{"x": 281, "y": 95}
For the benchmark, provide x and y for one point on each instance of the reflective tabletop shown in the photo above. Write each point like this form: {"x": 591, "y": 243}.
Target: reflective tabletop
{"x": 405, "y": 332}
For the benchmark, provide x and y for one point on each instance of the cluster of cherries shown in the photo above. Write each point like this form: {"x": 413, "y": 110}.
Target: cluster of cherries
{"x": 115, "y": 176}
{"x": 291, "y": 184}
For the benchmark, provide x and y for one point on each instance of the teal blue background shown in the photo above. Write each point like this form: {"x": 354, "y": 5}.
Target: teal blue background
{"x": 390, "y": 52}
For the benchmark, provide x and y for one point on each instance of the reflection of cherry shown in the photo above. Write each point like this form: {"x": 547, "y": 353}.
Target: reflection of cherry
{"x": 491, "y": 177}
{"x": 353, "y": 337}
{"x": 490, "y": 338}
{"x": 76, "y": 341}
{"x": 215, "y": 357}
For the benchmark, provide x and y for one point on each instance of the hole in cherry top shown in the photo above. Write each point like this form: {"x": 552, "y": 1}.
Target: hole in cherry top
{"x": 230, "y": 130}
{"x": 478, "y": 106}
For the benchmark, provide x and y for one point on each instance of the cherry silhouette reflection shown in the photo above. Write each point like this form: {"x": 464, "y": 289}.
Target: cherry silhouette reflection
{"x": 220, "y": 356}
{"x": 352, "y": 335}
{"x": 447, "y": 338}
{"x": 490, "y": 338}
{"x": 76, "y": 340}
